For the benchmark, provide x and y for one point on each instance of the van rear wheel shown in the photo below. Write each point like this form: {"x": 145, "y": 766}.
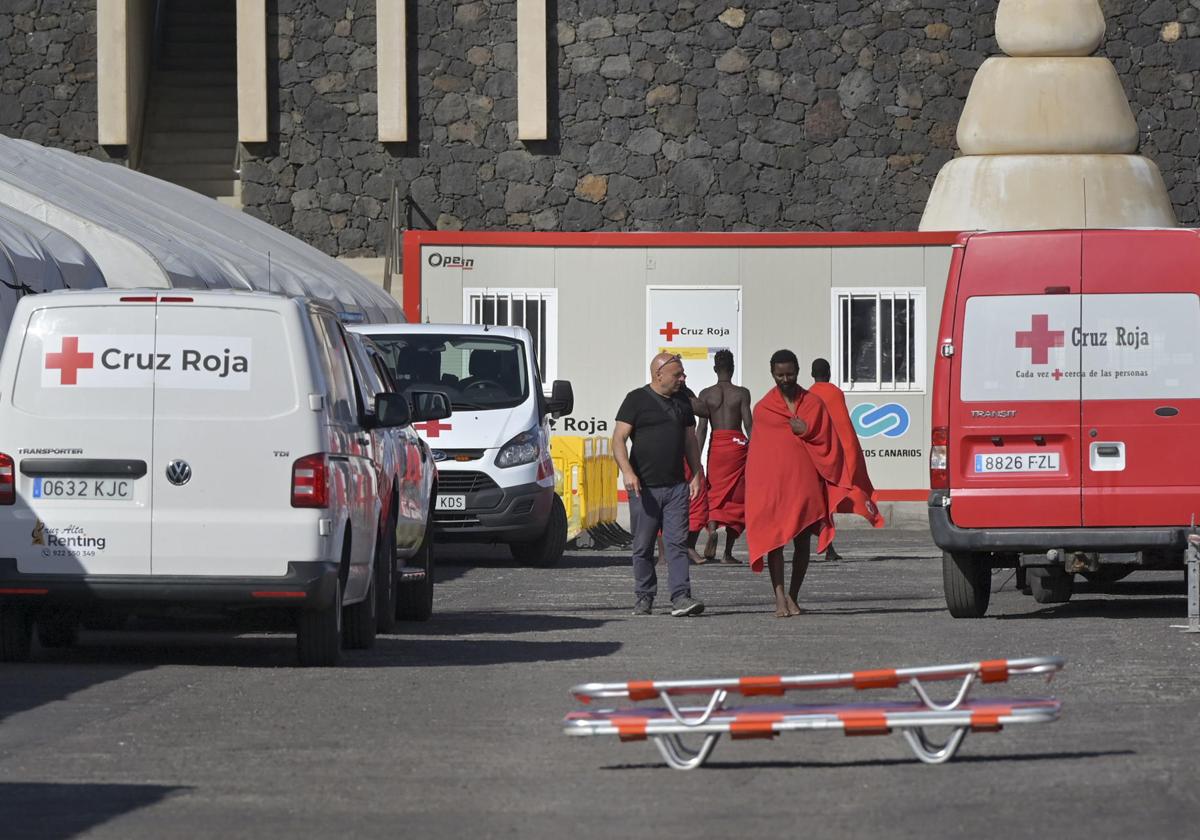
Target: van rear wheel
{"x": 16, "y": 634}
{"x": 414, "y": 599}
{"x": 385, "y": 580}
{"x": 967, "y": 582}
{"x": 358, "y": 623}
{"x": 319, "y": 633}
{"x": 547, "y": 549}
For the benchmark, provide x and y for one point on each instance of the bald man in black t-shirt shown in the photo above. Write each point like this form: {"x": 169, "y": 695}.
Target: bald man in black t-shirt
{"x": 659, "y": 421}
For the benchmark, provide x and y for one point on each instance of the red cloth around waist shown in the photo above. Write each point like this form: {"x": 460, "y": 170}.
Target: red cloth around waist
{"x": 727, "y": 453}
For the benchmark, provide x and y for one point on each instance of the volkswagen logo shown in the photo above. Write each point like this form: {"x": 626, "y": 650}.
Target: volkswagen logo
{"x": 179, "y": 472}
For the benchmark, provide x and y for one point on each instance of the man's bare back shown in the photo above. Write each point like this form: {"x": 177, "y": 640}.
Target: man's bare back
{"x": 728, "y": 407}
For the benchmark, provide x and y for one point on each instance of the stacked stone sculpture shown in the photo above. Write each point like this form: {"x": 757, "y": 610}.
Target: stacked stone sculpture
{"x": 1047, "y": 136}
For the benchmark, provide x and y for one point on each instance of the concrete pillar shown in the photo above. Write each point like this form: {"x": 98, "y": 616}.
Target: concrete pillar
{"x": 124, "y": 32}
{"x": 112, "y": 73}
{"x": 391, "y": 70}
{"x": 532, "y": 93}
{"x": 252, "y": 70}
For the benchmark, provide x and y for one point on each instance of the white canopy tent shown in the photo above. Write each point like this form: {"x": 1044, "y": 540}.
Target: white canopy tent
{"x": 35, "y": 257}
{"x": 137, "y": 231}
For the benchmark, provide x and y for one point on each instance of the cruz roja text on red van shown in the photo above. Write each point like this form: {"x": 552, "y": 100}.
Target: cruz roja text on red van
{"x": 1135, "y": 338}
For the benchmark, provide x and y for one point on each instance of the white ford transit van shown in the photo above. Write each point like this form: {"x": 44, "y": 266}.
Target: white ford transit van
{"x": 185, "y": 448}
{"x": 495, "y": 475}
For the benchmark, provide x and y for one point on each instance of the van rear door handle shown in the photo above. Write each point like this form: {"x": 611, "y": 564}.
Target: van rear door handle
{"x": 1106, "y": 456}
{"x": 92, "y": 467}
{"x": 1166, "y": 411}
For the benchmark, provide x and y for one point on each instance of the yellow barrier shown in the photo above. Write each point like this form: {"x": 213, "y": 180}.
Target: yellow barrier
{"x": 585, "y": 477}
{"x": 589, "y": 510}
{"x": 608, "y": 482}
{"x": 567, "y": 453}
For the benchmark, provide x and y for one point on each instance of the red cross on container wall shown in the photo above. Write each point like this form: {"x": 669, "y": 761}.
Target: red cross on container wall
{"x": 669, "y": 331}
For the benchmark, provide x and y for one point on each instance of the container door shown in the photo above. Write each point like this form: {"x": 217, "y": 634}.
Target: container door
{"x": 228, "y": 426}
{"x": 1141, "y": 392}
{"x": 81, "y": 438}
{"x": 1014, "y": 433}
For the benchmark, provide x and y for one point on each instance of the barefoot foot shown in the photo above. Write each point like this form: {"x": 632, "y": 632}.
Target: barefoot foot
{"x": 696, "y": 558}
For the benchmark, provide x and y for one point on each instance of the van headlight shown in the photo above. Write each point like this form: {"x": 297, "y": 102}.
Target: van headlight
{"x": 523, "y": 449}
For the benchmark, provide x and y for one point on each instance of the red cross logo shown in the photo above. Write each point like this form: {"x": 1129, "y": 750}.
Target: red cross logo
{"x": 1058, "y": 374}
{"x": 432, "y": 428}
{"x": 669, "y": 331}
{"x": 69, "y": 362}
{"x": 1039, "y": 339}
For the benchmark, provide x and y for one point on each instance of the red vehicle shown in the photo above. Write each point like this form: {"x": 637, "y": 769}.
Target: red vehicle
{"x": 1066, "y": 409}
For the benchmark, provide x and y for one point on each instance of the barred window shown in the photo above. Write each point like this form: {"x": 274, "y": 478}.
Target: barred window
{"x": 534, "y": 309}
{"x": 879, "y": 339}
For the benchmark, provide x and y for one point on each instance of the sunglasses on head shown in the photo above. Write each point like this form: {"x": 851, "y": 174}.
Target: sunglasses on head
{"x": 674, "y": 357}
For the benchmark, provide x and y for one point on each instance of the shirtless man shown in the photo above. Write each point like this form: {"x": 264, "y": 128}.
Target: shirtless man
{"x": 728, "y": 409}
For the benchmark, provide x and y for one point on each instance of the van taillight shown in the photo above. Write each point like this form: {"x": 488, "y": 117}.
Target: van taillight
{"x": 8, "y": 487}
{"x": 939, "y": 459}
{"x": 310, "y": 482}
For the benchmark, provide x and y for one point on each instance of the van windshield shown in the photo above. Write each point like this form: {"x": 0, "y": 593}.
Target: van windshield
{"x": 475, "y": 372}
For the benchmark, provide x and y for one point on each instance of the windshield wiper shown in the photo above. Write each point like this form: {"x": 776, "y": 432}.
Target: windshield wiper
{"x": 456, "y": 405}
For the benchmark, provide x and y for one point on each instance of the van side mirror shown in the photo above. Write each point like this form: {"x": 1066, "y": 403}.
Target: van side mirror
{"x": 391, "y": 410}
{"x": 429, "y": 405}
{"x": 562, "y": 398}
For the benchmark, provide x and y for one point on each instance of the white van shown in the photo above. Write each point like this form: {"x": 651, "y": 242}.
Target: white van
{"x": 495, "y": 474}
{"x": 185, "y": 448}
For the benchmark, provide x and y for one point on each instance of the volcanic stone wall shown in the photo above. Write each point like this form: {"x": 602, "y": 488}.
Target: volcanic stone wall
{"x": 664, "y": 114}
{"x": 48, "y": 73}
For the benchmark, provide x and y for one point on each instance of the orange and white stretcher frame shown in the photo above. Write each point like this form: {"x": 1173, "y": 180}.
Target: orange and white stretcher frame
{"x": 961, "y": 714}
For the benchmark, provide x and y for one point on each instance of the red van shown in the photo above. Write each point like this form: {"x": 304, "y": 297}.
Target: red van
{"x": 1066, "y": 409}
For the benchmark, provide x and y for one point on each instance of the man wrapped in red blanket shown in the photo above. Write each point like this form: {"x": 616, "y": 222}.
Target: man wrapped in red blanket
{"x": 856, "y": 462}
{"x": 796, "y": 477}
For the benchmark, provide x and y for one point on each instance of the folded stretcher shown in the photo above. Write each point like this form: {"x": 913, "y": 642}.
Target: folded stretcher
{"x": 961, "y": 714}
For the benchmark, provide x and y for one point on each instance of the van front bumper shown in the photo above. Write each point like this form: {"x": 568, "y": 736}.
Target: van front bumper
{"x": 306, "y": 585}
{"x": 949, "y": 537}
{"x": 499, "y": 514}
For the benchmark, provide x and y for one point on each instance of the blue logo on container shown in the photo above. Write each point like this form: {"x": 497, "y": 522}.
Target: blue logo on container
{"x": 870, "y": 420}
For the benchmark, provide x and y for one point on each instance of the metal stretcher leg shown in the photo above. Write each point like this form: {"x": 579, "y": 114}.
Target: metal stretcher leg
{"x": 714, "y": 703}
{"x": 932, "y": 753}
{"x": 680, "y": 757}
{"x": 968, "y": 680}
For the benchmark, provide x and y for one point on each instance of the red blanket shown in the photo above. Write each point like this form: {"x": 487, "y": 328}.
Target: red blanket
{"x": 793, "y": 482}
{"x": 727, "y": 479}
{"x": 862, "y": 502}
{"x": 697, "y": 507}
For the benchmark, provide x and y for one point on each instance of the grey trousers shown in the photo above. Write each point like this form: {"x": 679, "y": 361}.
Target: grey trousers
{"x": 663, "y": 508}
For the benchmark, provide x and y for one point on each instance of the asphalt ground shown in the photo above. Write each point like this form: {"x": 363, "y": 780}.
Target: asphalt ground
{"x": 453, "y": 728}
